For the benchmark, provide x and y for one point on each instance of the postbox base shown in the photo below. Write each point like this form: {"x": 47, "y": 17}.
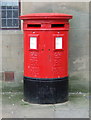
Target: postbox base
{"x": 46, "y": 91}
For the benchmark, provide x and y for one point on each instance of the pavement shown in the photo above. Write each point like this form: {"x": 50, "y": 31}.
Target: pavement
{"x": 13, "y": 106}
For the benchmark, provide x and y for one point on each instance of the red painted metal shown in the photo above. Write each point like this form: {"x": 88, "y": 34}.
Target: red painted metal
{"x": 46, "y": 61}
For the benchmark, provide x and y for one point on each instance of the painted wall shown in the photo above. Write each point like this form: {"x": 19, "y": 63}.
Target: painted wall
{"x": 12, "y": 42}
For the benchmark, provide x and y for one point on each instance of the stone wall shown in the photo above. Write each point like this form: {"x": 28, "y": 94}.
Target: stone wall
{"x": 12, "y": 42}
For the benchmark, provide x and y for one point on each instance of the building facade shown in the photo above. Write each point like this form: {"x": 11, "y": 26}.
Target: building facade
{"x": 11, "y": 39}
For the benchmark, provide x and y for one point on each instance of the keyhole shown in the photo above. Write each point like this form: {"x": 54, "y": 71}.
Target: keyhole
{"x": 42, "y": 49}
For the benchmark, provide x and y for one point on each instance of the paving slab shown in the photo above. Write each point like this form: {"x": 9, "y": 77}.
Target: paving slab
{"x": 13, "y": 106}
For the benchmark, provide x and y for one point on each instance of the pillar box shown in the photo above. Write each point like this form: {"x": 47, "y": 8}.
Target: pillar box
{"x": 46, "y": 57}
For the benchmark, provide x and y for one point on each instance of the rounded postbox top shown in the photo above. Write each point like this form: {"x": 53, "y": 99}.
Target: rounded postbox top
{"x": 45, "y": 16}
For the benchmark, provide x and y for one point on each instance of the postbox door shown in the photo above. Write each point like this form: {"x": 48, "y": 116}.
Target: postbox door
{"x": 40, "y": 50}
{"x": 53, "y": 54}
{"x": 60, "y": 55}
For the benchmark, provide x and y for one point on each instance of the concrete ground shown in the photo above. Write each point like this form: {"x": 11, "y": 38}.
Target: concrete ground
{"x": 15, "y": 107}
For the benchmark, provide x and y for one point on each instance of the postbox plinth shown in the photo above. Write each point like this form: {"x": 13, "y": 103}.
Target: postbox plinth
{"x": 46, "y": 91}
{"x": 46, "y": 57}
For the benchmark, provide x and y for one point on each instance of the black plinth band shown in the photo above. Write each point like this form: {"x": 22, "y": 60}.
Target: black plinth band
{"x": 46, "y": 91}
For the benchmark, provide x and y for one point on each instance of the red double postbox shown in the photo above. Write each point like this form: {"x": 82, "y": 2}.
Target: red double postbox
{"x": 46, "y": 57}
